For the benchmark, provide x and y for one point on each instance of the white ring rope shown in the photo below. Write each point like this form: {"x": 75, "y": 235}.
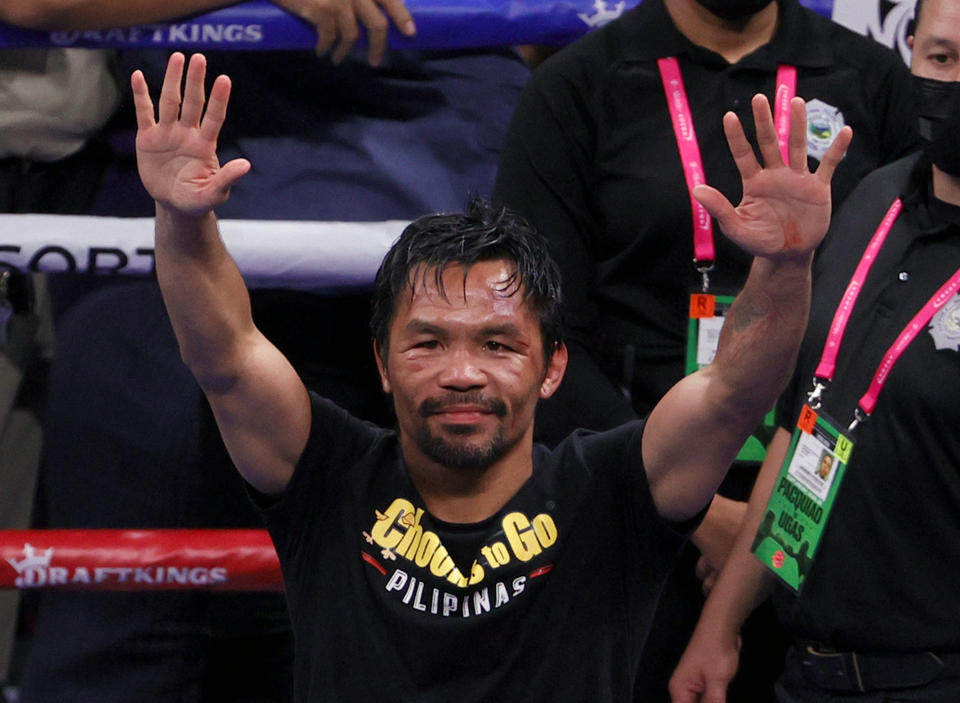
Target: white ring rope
{"x": 312, "y": 256}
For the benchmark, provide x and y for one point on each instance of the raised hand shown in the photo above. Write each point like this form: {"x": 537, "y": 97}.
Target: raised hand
{"x": 337, "y": 23}
{"x": 785, "y": 210}
{"x": 177, "y": 149}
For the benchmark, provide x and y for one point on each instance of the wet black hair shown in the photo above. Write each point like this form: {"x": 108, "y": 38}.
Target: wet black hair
{"x": 484, "y": 232}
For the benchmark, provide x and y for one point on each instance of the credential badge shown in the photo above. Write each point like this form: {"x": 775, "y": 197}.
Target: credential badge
{"x": 945, "y": 325}
{"x": 823, "y": 123}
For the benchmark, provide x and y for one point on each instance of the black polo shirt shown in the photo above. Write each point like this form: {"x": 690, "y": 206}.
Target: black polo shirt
{"x": 592, "y": 161}
{"x": 885, "y": 575}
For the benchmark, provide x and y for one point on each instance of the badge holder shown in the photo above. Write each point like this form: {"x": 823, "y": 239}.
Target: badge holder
{"x": 795, "y": 517}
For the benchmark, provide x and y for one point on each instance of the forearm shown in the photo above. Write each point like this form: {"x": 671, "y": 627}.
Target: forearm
{"x": 722, "y": 403}
{"x": 760, "y": 340}
{"x": 205, "y": 295}
{"x": 82, "y": 15}
{"x": 711, "y": 658}
{"x": 744, "y": 582}
{"x": 718, "y": 531}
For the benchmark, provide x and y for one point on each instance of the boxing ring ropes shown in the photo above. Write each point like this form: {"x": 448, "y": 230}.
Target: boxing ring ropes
{"x": 314, "y": 256}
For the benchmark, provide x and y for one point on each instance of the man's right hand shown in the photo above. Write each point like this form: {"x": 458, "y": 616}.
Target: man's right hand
{"x": 177, "y": 151}
{"x": 337, "y": 23}
{"x": 706, "y": 668}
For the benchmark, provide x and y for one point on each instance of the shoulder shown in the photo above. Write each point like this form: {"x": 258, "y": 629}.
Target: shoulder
{"x": 861, "y": 213}
{"x": 335, "y": 434}
{"x": 603, "y": 455}
{"x": 883, "y": 184}
{"x": 586, "y": 62}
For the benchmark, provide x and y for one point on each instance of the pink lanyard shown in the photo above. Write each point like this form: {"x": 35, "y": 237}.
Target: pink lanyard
{"x": 828, "y": 359}
{"x": 703, "y": 249}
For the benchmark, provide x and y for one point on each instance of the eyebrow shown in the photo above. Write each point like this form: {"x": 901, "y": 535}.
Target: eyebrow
{"x": 939, "y": 42}
{"x": 423, "y": 327}
{"x": 506, "y": 329}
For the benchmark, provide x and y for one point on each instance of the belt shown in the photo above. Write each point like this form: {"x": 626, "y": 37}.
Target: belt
{"x": 855, "y": 671}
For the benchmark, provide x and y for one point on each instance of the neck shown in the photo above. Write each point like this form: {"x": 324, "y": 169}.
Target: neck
{"x": 469, "y": 495}
{"x": 732, "y": 39}
{"x": 946, "y": 187}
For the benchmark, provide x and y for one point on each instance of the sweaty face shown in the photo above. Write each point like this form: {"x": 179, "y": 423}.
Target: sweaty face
{"x": 466, "y": 368}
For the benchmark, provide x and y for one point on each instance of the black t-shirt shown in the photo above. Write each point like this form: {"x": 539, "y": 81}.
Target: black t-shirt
{"x": 592, "y": 161}
{"x": 555, "y": 607}
{"x": 884, "y": 577}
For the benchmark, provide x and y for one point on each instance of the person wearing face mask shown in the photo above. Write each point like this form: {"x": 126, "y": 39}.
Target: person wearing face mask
{"x": 593, "y": 159}
{"x": 874, "y": 616}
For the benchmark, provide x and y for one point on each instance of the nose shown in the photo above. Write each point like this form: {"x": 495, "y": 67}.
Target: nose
{"x": 462, "y": 371}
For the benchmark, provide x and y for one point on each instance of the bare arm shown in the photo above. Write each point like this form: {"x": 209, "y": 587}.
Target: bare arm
{"x": 260, "y": 404}
{"x": 715, "y": 536}
{"x": 337, "y": 21}
{"x": 711, "y": 658}
{"x": 695, "y": 431}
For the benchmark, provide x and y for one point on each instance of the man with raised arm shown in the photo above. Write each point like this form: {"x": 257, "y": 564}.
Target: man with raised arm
{"x": 862, "y": 562}
{"x": 452, "y": 558}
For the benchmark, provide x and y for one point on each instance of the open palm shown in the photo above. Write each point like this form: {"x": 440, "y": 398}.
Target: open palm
{"x": 785, "y": 209}
{"x": 177, "y": 150}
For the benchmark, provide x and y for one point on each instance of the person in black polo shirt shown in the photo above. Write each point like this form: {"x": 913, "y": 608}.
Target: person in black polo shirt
{"x": 452, "y": 559}
{"x": 591, "y": 159}
{"x": 876, "y": 616}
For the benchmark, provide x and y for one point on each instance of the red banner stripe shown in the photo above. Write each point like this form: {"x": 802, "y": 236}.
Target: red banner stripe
{"x": 139, "y": 560}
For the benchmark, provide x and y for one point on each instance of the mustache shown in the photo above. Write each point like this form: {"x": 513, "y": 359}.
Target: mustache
{"x": 432, "y": 406}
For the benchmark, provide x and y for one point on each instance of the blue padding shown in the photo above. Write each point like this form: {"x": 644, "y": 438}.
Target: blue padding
{"x": 441, "y": 24}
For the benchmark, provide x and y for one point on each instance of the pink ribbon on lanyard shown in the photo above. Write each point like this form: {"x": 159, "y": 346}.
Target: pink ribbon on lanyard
{"x": 786, "y": 90}
{"x": 828, "y": 359}
{"x": 686, "y": 136}
{"x": 689, "y": 148}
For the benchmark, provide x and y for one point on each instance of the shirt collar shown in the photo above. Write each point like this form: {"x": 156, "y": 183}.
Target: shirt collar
{"x": 796, "y": 42}
{"x": 931, "y": 215}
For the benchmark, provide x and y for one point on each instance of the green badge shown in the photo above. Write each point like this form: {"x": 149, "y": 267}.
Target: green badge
{"x": 802, "y": 498}
{"x": 707, "y": 314}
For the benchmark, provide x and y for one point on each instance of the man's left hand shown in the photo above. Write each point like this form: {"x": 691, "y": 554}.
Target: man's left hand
{"x": 785, "y": 209}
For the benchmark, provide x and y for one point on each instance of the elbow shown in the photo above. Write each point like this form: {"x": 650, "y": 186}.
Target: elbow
{"x": 212, "y": 379}
{"x": 210, "y": 370}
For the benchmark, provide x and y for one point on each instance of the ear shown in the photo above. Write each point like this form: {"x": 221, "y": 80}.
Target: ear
{"x": 382, "y": 368}
{"x": 554, "y": 372}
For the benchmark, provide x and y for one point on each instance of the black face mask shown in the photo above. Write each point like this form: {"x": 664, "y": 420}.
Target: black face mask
{"x": 940, "y": 122}
{"x": 734, "y": 9}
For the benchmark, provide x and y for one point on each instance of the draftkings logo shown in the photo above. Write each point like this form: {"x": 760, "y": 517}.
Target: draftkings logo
{"x": 205, "y": 34}
{"x": 602, "y": 13}
{"x": 36, "y": 570}
{"x": 32, "y": 569}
